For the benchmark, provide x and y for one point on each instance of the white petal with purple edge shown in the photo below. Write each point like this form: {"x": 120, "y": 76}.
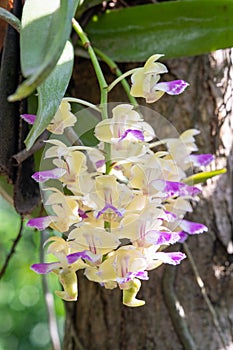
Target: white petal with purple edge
{"x": 138, "y": 134}
{"x": 143, "y": 275}
{"x": 201, "y": 159}
{"x": 183, "y": 236}
{"x": 192, "y": 228}
{"x": 174, "y": 87}
{"x": 159, "y": 237}
{"x": 44, "y": 268}
{"x": 40, "y": 223}
{"x": 43, "y": 176}
{"x": 172, "y": 188}
{"x": 170, "y": 258}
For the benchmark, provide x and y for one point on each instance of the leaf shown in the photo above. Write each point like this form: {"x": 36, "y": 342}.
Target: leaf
{"x": 202, "y": 177}
{"x": 46, "y": 26}
{"x": 6, "y": 190}
{"x": 174, "y": 28}
{"x": 86, "y": 5}
{"x": 51, "y": 92}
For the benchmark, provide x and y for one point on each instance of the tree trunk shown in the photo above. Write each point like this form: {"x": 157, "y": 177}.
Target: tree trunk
{"x": 178, "y": 314}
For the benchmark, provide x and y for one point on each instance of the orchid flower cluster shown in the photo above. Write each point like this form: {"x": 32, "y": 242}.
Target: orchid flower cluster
{"x": 116, "y": 223}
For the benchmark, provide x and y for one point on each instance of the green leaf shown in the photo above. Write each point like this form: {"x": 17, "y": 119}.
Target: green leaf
{"x": 202, "y": 177}
{"x": 46, "y": 26}
{"x": 86, "y": 5}
{"x": 174, "y": 28}
{"x": 51, "y": 92}
{"x": 6, "y": 190}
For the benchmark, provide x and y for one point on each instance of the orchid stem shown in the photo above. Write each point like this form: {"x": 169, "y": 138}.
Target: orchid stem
{"x": 10, "y": 18}
{"x": 82, "y": 102}
{"x": 116, "y": 70}
{"x": 120, "y": 78}
{"x": 102, "y": 84}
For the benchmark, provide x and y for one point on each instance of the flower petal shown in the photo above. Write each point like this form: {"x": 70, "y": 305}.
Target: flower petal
{"x": 174, "y": 87}
{"x": 86, "y": 254}
{"x": 29, "y": 118}
{"x": 159, "y": 237}
{"x": 138, "y": 134}
{"x": 44, "y": 268}
{"x": 174, "y": 189}
{"x": 82, "y": 214}
{"x": 169, "y": 216}
{"x": 170, "y": 258}
{"x": 143, "y": 275}
{"x": 110, "y": 206}
{"x": 192, "y": 228}
{"x": 43, "y": 176}
{"x": 183, "y": 236}
{"x": 201, "y": 159}
{"x": 40, "y": 223}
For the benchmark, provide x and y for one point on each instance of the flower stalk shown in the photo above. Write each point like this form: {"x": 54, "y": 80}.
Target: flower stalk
{"x": 116, "y": 70}
{"x": 102, "y": 84}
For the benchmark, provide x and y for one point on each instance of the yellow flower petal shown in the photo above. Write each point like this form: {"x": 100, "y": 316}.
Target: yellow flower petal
{"x": 62, "y": 119}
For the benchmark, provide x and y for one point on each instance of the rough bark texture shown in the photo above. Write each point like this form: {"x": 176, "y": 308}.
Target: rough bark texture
{"x": 175, "y": 316}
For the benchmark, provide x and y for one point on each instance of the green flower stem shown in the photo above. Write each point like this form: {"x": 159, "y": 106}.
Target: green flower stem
{"x": 123, "y": 76}
{"x": 82, "y": 102}
{"x": 116, "y": 70}
{"x": 10, "y": 18}
{"x": 102, "y": 84}
{"x": 101, "y": 79}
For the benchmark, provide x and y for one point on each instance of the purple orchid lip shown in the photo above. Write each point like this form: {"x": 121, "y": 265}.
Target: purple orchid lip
{"x": 40, "y": 223}
{"x": 161, "y": 237}
{"x": 86, "y": 254}
{"x": 82, "y": 214}
{"x": 44, "y": 268}
{"x": 43, "y": 176}
{"x": 174, "y": 189}
{"x": 109, "y": 206}
{"x": 201, "y": 159}
{"x": 183, "y": 236}
{"x": 174, "y": 87}
{"x": 99, "y": 163}
{"x": 170, "y": 258}
{"x": 192, "y": 228}
{"x": 143, "y": 275}
{"x": 29, "y": 118}
{"x": 138, "y": 134}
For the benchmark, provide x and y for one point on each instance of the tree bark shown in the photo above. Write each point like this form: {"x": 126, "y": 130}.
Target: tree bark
{"x": 178, "y": 314}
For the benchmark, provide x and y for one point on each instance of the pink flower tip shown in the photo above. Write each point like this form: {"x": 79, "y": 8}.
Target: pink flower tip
{"x": 29, "y": 118}
{"x": 174, "y": 87}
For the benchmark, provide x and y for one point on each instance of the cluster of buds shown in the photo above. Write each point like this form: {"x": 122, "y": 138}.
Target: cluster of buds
{"x": 117, "y": 220}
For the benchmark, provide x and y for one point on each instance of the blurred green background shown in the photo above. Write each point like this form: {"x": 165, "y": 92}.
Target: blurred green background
{"x": 23, "y": 314}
